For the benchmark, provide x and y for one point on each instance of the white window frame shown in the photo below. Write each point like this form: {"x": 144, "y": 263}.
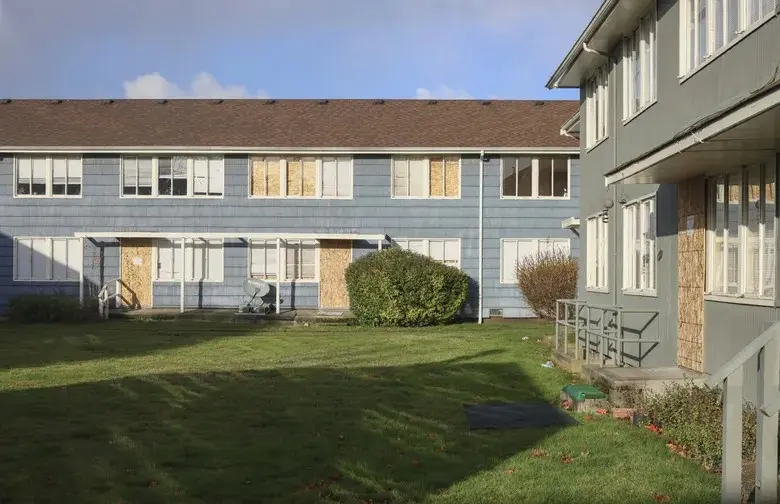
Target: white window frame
{"x": 741, "y": 294}
{"x": 427, "y": 188}
{"x": 648, "y": 279}
{"x": 535, "y": 179}
{"x": 597, "y": 107}
{"x": 517, "y": 241}
{"x": 189, "y": 270}
{"x": 283, "y": 259}
{"x": 711, "y": 52}
{"x": 597, "y": 280}
{"x": 156, "y": 177}
{"x": 49, "y": 176}
{"x": 646, "y": 59}
{"x": 318, "y": 177}
{"x": 271, "y": 245}
{"x": 50, "y": 262}
{"x": 426, "y": 247}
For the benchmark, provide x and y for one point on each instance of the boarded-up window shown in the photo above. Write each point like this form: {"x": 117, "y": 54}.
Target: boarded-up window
{"x": 425, "y": 177}
{"x": 302, "y": 177}
{"x": 444, "y": 176}
{"x": 58, "y": 259}
{"x": 266, "y": 176}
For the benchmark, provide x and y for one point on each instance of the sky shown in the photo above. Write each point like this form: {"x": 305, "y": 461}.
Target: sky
{"x": 499, "y": 49}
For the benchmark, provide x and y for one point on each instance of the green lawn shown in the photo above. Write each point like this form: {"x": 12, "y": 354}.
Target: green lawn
{"x": 156, "y": 412}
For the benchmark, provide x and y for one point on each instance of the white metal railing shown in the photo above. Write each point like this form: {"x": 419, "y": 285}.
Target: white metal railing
{"x": 731, "y": 378}
{"x": 608, "y": 326}
{"x": 104, "y": 297}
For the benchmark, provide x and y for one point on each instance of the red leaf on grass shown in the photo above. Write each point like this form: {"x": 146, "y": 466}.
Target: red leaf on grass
{"x": 567, "y": 460}
{"x": 538, "y": 453}
{"x": 661, "y": 497}
{"x": 601, "y": 411}
{"x": 511, "y": 470}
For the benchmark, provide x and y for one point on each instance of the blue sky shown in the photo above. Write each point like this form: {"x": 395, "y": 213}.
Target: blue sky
{"x": 286, "y": 48}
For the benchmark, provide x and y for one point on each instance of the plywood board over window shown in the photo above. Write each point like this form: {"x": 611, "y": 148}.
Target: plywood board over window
{"x": 265, "y": 176}
{"x": 136, "y": 271}
{"x": 335, "y": 256}
{"x": 691, "y": 280}
{"x": 452, "y": 176}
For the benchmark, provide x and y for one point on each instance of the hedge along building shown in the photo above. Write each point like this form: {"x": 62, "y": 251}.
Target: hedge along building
{"x": 181, "y": 200}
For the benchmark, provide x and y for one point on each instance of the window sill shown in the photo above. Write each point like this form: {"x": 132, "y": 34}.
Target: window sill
{"x": 425, "y": 197}
{"x": 641, "y": 293}
{"x": 738, "y": 300}
{"x": 24, "y": 280}
{"x": 537, "y": 198}
{"x": 47, "y": 196}
{"x": 188, "y": 281}
{"x": 639, "y": 112}
{"x": 597, "y": 290}
{"x": 719, "y": 52}
{"x": 598, "y": 142}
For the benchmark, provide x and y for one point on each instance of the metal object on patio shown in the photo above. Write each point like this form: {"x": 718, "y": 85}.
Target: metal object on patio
{"x": 255, "y": 290}
{"x": 516, "y": 416}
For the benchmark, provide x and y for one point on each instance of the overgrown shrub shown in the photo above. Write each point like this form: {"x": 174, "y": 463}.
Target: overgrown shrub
{"x": 546, "y": 277}
{"x": 396, "y": 287}
{"x": 692, "y": 416}
{"x": 38, "y": 308}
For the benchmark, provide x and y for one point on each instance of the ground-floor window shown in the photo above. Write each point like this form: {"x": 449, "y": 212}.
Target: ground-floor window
{"x": 741, "y": 233}
{"x": 446, "y": 251}
{"x": 47, "y": 259}
{"x": 639, "y": 234}
{"x": 299, "y": 260}
{"x": 514, "y": 250}
{"x": 597, "y": 235}
{"x": 204, "y": 260}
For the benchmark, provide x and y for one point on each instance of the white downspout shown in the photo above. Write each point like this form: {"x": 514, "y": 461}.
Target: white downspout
{"x": 81, "y": 274}
{"x": 183, "y": 273}
{"x": 278, "y": 275}
{"x": 481, "y": 193}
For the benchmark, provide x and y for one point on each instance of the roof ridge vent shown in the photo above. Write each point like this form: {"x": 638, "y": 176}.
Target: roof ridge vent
{"x": 433, "y": 102}
{"x": 55, "y": 102}
{"x": 218, "y": 101}
{"x": 163, "y": 101}
{"x": 109, "y": 102}
{"x": 487, "y": 102}
{"x": 323, "y": 102}
{"x": 539, "y": 103}
{"x": 5, "y": 101}
{"x": 379, "y": 102}
{"x": 270, "y": 102}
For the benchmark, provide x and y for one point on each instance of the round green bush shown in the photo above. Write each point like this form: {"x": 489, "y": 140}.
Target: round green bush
{"x": 399, "y": 288}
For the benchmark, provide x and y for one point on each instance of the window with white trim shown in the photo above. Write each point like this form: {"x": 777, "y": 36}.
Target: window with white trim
{"x": 515, "y": 250}
{"x": 544, "y": 177}
{"x": 597, "y": 107}
{"x": 425, "y": 177}
{"x": 639, "y": 246}
{"x": 300, "y": 260}
{"x": 640, "y": 75}
{"x": 263, "y": 259}
{"x": 204, "y": 260}
{"x": 48, "y": 176}
{"x": 173, "y": 176}
{"x": 741, "y": 233}
{"x": 446, "y": 251}
{"x": 708, "y": 26}
{"x": 597, "y": 235}
{"x": 300, "y": 177}
{"x": 47, "y": 259}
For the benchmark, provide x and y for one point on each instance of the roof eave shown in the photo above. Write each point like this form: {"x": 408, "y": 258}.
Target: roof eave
{"x": 595, "y": 23}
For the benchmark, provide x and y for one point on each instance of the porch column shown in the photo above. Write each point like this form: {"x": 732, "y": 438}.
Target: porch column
{"x": 183, "y": 273}
{"x": 379, "y": 245}
{"x": 278, "y": 275}
{"x": 81, "y": 274}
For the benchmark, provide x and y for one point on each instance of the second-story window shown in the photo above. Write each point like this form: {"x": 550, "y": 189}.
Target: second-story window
{"x": 535, "y": 177}
{"x": 639, "y": 67}
{"x": 707, "y": 26}
{"x": 53, "y": 176}
{"x": 425, "y": 177}
{"x": 175, "y": 176}
{"x": 597, "y": 107}
{"x": 300, "y": 177}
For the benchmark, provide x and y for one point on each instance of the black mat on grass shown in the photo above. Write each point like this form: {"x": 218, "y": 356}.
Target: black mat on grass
{"x": 516, "y": 416}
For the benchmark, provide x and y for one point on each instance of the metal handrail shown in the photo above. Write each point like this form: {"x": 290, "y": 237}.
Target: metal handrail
{"x": 608, "y": 327}
{"x": 104, "y": 297}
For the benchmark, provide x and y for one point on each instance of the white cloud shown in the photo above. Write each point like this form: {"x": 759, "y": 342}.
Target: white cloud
{"x": 443, "y": 93}
{"x": 204, "y": 85}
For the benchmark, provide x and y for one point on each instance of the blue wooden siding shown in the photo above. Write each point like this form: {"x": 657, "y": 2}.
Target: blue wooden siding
{"x": 371, "y": 211}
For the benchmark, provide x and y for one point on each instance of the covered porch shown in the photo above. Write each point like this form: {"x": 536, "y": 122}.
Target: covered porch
{"x": 135, "y": 282}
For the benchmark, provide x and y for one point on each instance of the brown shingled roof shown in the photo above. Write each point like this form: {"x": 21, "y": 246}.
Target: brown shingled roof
{"x": 284, "y": 123}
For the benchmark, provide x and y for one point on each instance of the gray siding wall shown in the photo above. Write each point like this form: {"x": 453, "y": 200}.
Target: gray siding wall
{"x": 371, "y": 211}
